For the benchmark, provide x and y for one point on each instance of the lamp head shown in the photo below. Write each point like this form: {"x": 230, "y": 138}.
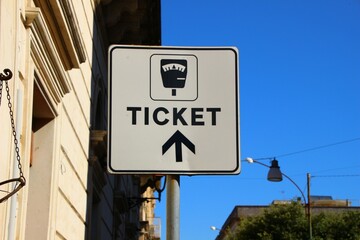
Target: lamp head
{"x": 274, "y": 174}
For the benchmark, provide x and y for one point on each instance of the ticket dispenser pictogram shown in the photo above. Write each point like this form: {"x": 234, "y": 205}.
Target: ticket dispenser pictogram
{"x": 173, "y": 74}
{"x": 173, "y": 77}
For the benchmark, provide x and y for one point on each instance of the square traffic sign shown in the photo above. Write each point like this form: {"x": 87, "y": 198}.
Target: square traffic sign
{"x": 173, "y": 110}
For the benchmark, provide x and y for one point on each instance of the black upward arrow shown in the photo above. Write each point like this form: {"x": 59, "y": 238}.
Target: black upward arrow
{"x": 178, "y": 139}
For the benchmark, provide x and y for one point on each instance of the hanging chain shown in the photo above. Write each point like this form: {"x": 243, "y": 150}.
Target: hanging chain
{"x": 21, "y": 178}
{"x": 1, "y": 87}
{"x": 0, "y": 91}
{"x": 14, "y": 131}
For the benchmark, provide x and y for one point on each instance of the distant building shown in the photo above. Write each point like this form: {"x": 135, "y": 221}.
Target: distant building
{"x": 318, "y": 204}
{"x": 57, "y": 53}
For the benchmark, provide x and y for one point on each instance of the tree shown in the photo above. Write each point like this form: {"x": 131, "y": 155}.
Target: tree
{"x": 289, "y": 222}
{"x": 339, "y": 226}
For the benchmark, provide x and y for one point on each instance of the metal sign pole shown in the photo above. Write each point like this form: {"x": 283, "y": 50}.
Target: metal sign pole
{"x": 173, "y": 207}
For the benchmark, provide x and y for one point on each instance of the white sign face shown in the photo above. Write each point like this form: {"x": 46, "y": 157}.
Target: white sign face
{"x": 173, "y": 110}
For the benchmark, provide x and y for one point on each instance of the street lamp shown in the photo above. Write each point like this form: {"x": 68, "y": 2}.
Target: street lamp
{"x": 275, "y": 175}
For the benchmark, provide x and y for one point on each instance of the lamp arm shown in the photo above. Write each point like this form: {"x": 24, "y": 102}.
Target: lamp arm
{"x": 302, "y": 193}
{"x": 260, "y": 163}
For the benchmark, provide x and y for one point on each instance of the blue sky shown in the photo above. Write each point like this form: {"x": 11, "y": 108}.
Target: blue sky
{"x": 299, "y": 101}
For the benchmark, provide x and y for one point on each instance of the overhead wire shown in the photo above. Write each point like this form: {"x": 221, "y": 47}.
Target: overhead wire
{"x": 319, "y": 147}
{"x": 337, "y": 175}
{"x": 308, "y": 149}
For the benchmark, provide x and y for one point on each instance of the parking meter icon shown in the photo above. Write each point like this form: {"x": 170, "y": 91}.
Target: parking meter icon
{"x": 173, "y": 73}
{"x": 173, "y": 77}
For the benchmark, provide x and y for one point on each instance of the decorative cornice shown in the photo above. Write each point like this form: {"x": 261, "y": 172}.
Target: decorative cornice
{"x": 63, "y": 26}
{"x": 98, "y": 141}
{"x": 74, "y": 30}
{"x": 47, "y": 60}
{"x": 98, "y": 145}
{"x": 30, "y": 14}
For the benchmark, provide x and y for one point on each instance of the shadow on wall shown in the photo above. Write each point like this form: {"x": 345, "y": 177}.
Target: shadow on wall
{"x": 116, "y": 22}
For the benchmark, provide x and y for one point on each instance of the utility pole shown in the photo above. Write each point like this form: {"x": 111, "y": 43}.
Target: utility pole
{"x": 309, "y": 206}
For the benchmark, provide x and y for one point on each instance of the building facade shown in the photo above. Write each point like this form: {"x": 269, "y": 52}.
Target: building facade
{"x": 56, "y": 51}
